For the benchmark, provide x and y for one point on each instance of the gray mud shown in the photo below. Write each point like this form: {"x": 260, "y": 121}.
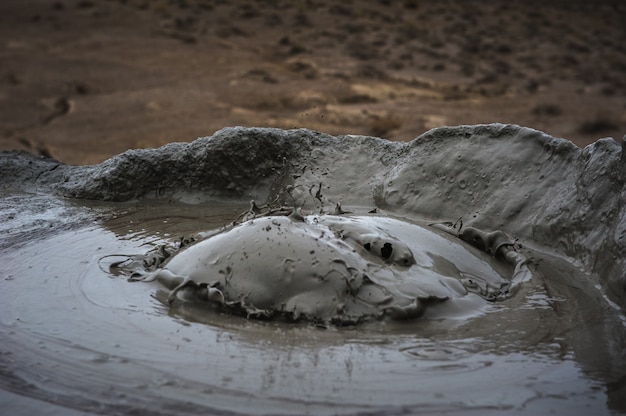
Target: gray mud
{"x": 74, "y": 338}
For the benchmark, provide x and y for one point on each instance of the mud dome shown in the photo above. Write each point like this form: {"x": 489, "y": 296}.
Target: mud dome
{"x": 74, "y": 339}
{"x": 329, "y": 269}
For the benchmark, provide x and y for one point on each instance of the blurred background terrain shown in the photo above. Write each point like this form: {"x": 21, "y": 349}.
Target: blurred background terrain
{"x": 83, "y": 80}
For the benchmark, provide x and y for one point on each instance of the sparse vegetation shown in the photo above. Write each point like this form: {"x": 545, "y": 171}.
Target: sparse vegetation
{"x": 227, "y": 31}
{"x": 551, "y": 110}
{"x": 601, "y": 124}
{"x": 361, "y": 50}
{"x": 250, "y": 62}
{"x": 381, "y": 126}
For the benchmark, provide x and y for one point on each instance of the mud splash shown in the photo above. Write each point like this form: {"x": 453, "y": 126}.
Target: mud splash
{"x": 75, "y": 339}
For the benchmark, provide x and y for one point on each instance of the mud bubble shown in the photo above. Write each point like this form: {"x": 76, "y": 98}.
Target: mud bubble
{"x": 341, "y": 269}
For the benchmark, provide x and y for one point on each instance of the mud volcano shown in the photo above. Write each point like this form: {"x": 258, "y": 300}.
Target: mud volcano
{"x": 390, "y": 277}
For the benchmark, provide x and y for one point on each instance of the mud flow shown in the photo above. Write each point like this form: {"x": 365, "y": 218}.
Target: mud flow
{"x": 76, "y": 336}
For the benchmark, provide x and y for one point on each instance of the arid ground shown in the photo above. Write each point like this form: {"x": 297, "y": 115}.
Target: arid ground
{"x": 83, "y": 80}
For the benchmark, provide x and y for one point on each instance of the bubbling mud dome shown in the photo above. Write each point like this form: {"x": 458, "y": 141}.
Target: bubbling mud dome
{"x": 330, "y": 268}
{"x": 475, "y": 269}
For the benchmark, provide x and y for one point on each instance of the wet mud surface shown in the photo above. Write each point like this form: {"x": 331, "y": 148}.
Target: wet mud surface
{"x": 75, "y": 336}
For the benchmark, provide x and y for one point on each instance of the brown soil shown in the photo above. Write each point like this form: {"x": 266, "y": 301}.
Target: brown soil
{"x": 82, "y": 80}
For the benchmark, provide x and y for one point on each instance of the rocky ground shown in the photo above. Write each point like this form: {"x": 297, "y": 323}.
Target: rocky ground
{"x": 83, "y": 80}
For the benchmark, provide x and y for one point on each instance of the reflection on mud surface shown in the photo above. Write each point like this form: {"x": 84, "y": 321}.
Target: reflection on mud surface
{"x": 73, "y": 336}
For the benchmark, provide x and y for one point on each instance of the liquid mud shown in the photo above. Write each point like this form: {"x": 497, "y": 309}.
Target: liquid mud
{"x": 76, "y": 340}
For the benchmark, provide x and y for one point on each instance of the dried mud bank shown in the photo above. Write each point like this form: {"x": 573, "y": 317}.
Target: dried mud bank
{"x": 522, "y": 181}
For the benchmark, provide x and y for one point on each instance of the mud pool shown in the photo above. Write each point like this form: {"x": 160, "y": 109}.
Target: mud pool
{"x": 74, "y": 339}
{"x": 81, "y": 339}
